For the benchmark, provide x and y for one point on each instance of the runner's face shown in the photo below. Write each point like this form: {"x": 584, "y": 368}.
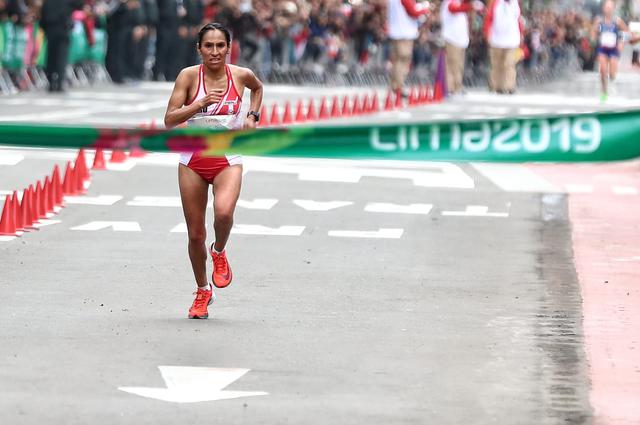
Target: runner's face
{"x": 607, "y": 8}
{"x": 214, "y": 48}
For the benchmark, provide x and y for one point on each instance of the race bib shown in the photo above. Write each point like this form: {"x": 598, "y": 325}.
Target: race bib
{"x": 608, "y": 40}
{"x": 226, "y": 122}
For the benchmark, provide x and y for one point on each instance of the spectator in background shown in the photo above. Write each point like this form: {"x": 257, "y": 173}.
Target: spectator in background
{"x": 117, "y": 51}
{"x": 55, "y": 20}
{"x": 455, "y": 31}
{"x": 403, "y": 23}
{"x": 503, "y": 29}
{"x": 170, "y": 14}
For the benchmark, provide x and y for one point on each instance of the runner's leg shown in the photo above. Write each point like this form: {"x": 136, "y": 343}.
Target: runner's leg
{"x": 226, "y": 190}
{"x": 603, "y": 63}
{"x": 193, "y": 192}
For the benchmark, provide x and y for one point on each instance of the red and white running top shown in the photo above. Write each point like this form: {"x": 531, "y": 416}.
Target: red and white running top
{"x": 222, "y": 115}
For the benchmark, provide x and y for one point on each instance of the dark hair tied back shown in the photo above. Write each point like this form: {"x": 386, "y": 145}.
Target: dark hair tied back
{"x": 214, "y": 26}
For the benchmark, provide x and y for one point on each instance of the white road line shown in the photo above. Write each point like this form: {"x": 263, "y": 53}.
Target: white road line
{"x": 579, "y": 188}
{"x": 515, "y": 178}
{"x": 7, "y": 238}
{"x": 121, "y": 166}
{"x": 116, "y": 226}
{"x": 625, "y": 190}
{"x": 381, "y": 207}
{"x": 381, "y": 233}
{"x": 474, "y": 211}
{"x": 93, "y": 200}
{"x": 310, "y": 205}
{"x": 254, "y": 229}
{"x": 258, "y": 203}
{"x": 45, "y": 222}
{"x": 10, "y": 158}
{"x": 155, "y": 201}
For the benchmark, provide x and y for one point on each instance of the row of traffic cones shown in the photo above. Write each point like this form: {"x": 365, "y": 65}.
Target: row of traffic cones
{"x": 336, "y": 108}
{"x": 47, "y": 199}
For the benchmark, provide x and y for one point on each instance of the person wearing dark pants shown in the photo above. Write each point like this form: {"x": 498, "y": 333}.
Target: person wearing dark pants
{"x": 56, "y": 22}
{"x": 170, "y": 12}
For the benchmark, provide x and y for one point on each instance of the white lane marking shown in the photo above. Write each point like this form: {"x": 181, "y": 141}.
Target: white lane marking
{"x": 625, "y": 190}
{"x": 121, "y": 166}
{"x": 258, "y": 204}
{"x": 425, "y": 174}
{"x": 117, "y": 226}
{"x": 579, "y": 188}
{"x": 7, "y": 238}
{"x": 174, "y": 201}
{"x": 45, "y": 222}
{"x": 155, "y": 201}
{"x": 381, "y": 207}
{"x": 93, "y": 200}
{"x": 255, "y": 229}
{"x": 10, "y": 158}
{"x": 194, "y": 384}
{"x": 381, "y": 233}
{"x": 474, "y": 211}
{"x": 310, "y": 205}
{"x": 627, "y": 259}
{"x": 515, "y": 178}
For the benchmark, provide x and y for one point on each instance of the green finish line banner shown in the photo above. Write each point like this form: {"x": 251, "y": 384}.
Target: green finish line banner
{"x": 587, "y": 137}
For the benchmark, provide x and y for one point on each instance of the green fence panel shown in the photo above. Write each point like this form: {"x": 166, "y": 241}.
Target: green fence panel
{"x": 15, "y": 43}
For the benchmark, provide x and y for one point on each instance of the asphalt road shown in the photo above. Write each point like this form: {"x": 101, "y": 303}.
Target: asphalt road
{"x": 459, "y": 314}
{"x": 364, "y": 291}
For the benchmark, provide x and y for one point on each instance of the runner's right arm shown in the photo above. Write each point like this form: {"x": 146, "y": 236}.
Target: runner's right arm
{"x": 177, "y": 112}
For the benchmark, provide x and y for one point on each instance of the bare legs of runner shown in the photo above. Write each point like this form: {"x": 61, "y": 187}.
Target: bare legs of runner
{"x": 194, "y": 195}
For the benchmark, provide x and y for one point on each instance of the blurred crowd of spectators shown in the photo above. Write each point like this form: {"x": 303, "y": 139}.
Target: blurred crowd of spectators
{"x": 154, "y": 39}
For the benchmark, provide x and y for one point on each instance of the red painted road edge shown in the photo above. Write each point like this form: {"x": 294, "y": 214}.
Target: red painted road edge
{"x": 606, "y": 244}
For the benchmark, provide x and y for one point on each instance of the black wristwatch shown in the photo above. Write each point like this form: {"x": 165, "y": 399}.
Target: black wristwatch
{"x": 256, "y": 115}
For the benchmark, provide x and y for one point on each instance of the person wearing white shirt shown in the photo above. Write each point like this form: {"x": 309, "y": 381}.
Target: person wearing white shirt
{"x": 503, "y": 29}
{"x": 403, "y": 23}
{"x": 455, "y": 31}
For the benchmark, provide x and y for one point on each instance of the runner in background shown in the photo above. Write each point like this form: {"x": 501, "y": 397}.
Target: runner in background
{"x": 608, "y": 30}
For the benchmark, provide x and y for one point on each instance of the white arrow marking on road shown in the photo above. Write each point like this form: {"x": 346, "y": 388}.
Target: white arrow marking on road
{"x": 9, "y": 158}
{"x": 118, "y": 226}
{"x": 93, "y": 200}
{"x": 194, "y": 384}
{"x": 474, "y": 211}
{"x": 174, "y": 201}
{"x": 258, "y": 204}
{"x": 310, "y": 205}
{"x": 121, "y": 166}
{"x": 579, "y": 188}
{"x": 376, "y": 234}
{"x": 399, "y": 209}
{"x": 255, "y": 229}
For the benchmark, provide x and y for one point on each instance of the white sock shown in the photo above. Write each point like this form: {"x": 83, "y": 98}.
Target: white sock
{"x": 215, "y": 250}
{"x": 206, "y": 288}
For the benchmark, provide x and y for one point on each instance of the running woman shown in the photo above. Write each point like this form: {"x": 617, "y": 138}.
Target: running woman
{"x": 608, "y": 31}
{"x": 211, "y": 95}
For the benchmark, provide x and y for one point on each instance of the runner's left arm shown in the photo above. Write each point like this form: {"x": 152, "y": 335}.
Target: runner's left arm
{"x": 252, "y": 82}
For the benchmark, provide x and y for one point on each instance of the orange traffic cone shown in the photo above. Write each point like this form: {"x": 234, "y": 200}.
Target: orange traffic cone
{"x": 324, "y": 113}
{"x": 366, "y": 104}
{"x": 49, "y": 197}
{"x": 286, "y": 117}
{"x": 375, "y": 104}
{"x": 33, "y": 204}
{"x": 78, "y": 183}
{"x": 311, "y": 111}
{"x": 7, "y": 222}
{"x": 300, "y": 115}
{"x": 388, "y": 103}
{"x": 437, "y": 93}
{"x": 264, "y": 119}
{"x": 68, "y": 186}
{"x": 335, "y": 107}
{"x": 17, "y": 216}
{"x": 356, "y": 109}
{"x": 137, "y": 152}
{"x": 346, "y": 110}
{"x": 80, "y": 166}
{"x": 275, "y": 118}
{"x": 118, "y": 156}
{"x": 26, "y": 211}
{"x": 41, "y": 207}
{"x": 98, "y": 160}
{"x": 424, "y": 94}
{"x": 398, "y": 97}
{"x": 57, "y": 187}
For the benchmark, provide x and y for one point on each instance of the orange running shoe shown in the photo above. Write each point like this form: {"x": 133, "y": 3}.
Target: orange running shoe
{"x": 203, "y": 299}
{"x": 221, "y": 270}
